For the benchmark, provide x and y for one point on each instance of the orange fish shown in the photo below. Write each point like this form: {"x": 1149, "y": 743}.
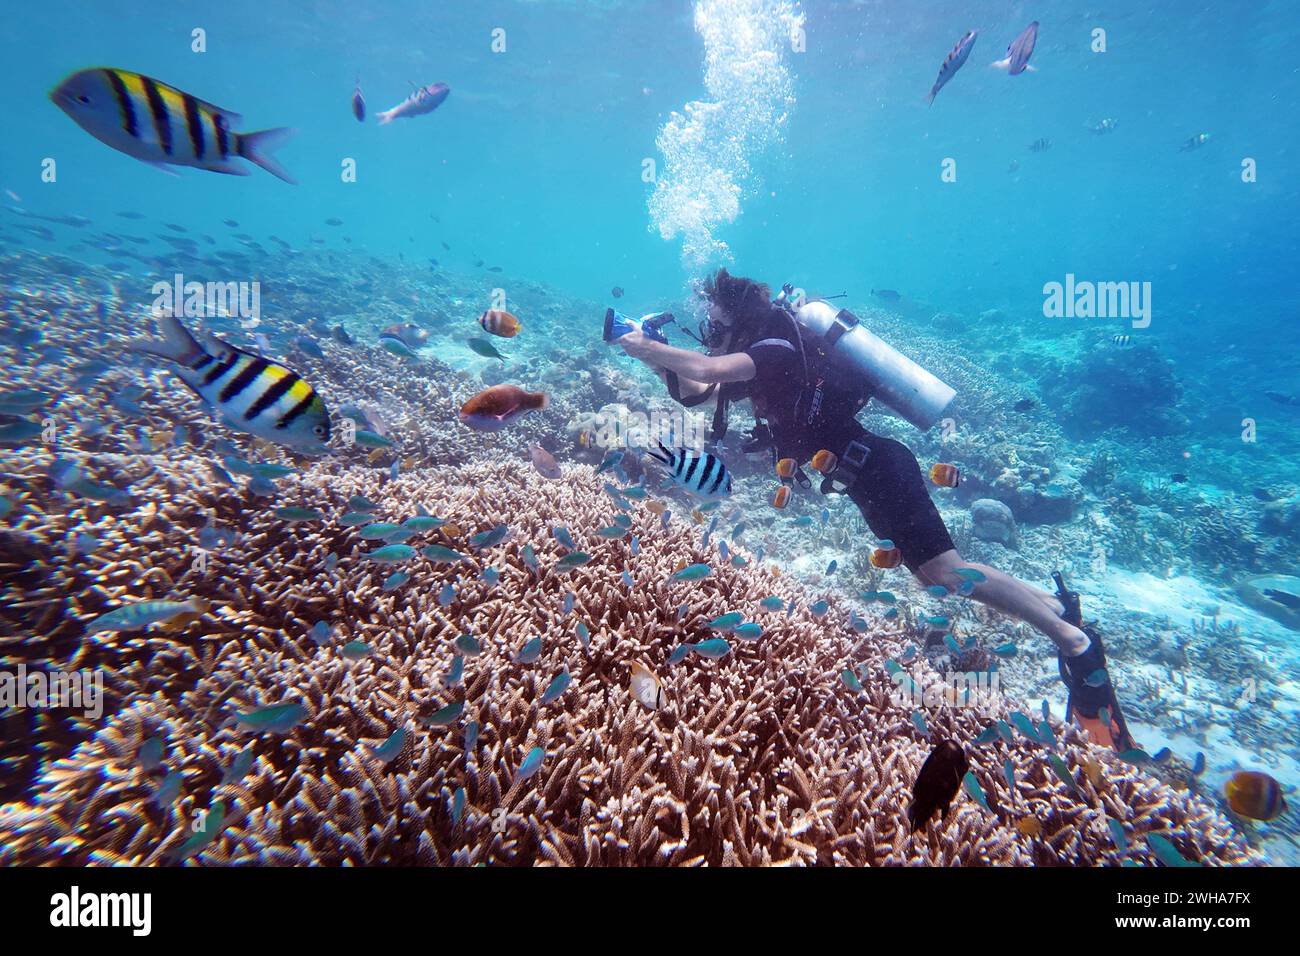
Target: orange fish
{"x": 1030, "y": 826}
{"x": 494, "y": 408}
{"x": 450, "y": 530}
{"x": 656, "y": 507}
{"x": 945, "y": 476}
{"x": 584, "y": 439}
{"x": 782, "y": 496}
{"x": 698, "y": 516}
{"x": 1092, "y": 769}
{"x": 500, "y": 322}
{"x": 786, "y": 467}
{"x": 886, "y": 558}
{"x": 825, "y": 461}
{"x": 544, "y": 462}
{"x": 1254, "y": 794}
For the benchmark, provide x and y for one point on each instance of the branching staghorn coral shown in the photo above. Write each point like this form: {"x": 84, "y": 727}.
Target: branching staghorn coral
{"x": 762, "y": 757}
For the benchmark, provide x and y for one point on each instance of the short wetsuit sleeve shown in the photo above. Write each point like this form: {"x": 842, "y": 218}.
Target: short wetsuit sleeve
{"x": 774, "y": 362}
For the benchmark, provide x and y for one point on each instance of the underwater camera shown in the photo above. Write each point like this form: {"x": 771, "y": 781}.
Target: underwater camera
{"x": 618, "y": 325}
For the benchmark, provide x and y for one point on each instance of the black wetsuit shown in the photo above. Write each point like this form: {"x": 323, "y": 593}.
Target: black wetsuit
{"x": 890, "y": 491}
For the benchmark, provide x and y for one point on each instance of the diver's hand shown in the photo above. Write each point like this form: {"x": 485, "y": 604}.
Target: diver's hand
{"x": 638, "y": 345}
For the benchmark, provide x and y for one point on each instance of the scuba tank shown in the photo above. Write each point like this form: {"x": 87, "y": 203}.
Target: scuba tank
{"x": 853, "y": 353}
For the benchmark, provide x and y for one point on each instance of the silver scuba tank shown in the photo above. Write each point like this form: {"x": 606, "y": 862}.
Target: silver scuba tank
{"x": 911, "y": 391}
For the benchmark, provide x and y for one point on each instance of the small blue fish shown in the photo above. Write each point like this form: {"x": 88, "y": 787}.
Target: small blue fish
{"x": 850, "y": 680}
{"x": 772, "y": 603}
{"x": 819, "y": 608}
{"x": 392, "y": 554}
{"x": 260, "y": 487}
{"x": 320, "y": 633}
{"x": 886, "y": 597}
{"x": 390, "y": 748}
{"x": 966, "y": 588}
{"x": 664, "y": 518}
{"x": 789, "y": 608}
{"x": 758, "y": 555}
{"x": 1046, "y": 709}
{"x": 1005, "y": 730}
{"x": 1005, "y": 650}
{"x": 909, "y": 654}
{"x": 1166, "y": 852}
{"x": 693, "y": 572}
{"x": 611, "y": 459}
{"x": 447, "y": 595}
{"x": 636, "y": 545}
{"x": 361, "y": 503}
{"x": 561, "y": 534}
{"x": 987, "y": 735}
{"x": 532, "y": 763}
{"x": 574, "y": 559}
{"x": 471, "y": 736}
{"x": 239, "y": 767}
{"x": 469, "y": 645}
{"x": 918, "y": 721}
{"x": 150, "y": 754}
{"x": 623, "y": 521}
{"x": 1025, "y": 726}
{"x": 951, "y": 643}
{"x": 748, "y": 632}
{"x": 531, "y": 651}
{"x": 891, "y": 613}
{"x": 491, "y": 537}
{"x": 446, "y": 715}
{"x": 627, "y": 581}
{"x": 1045, "y": 734}
{"x": 1009, "y": 772}
{"x": 610, "y": 532}
{"x": 1198, "y": 764}
{"x": 937, "y": 590}
{"x": 355, "y": 519}
{"x": 422, "y": 523}
{"x": 458, "y": 806}
{"x": 726, "y": 622}
{"x": 457, "y": 672}
{"x": 530, "y": 559}
{"x": 296, "y": 514}
{"x": 355, "y": 650}
{"x": 803, "y": 521}
{"x": 1117, "y": 834}
{"x": 436, "y": 552}
{"x": 713, "y": 648}
{"x": 723, "y": 551}
{"x": 396, "y": 580}
{"x": 832, "y": 567}
{"x": 490, "y": 576}
{"x": 1062, "y": 771}
{"x": 168, "y": 790}
{"x": 679, "y": 654}
{"x": 276, "y": 719}
{"x": 567, "y": 606}
{"x": 584, "y": 635}
{"x": 557, "y": 687}
{"x": 972, "y": 787}
{"x": 826, "y": 515}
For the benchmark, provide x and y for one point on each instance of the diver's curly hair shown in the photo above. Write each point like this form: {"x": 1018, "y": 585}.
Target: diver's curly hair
{"x": 749, "y": 302}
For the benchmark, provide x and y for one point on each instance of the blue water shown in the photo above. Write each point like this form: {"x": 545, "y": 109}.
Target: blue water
{"x": 821, "y": 165}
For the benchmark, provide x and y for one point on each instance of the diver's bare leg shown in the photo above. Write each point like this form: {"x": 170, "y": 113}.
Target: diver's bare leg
{"x": 1035, "y": 607}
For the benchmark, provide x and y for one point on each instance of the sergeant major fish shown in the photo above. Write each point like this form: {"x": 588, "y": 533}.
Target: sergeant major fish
{"x": 704, "y": 474}
{"x": 161, "y": 125}
{"x": 252, "y": 394}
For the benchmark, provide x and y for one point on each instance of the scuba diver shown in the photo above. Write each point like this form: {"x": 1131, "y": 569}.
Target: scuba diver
{"x": 809, "y": 369}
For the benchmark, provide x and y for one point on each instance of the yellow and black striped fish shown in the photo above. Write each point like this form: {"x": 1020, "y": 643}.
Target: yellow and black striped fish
{"x": 161, "y": 125}
{"x": 252, "y": 394}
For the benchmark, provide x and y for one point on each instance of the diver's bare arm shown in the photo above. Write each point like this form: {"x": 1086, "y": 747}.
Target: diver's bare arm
{"x": 689, "y": 366}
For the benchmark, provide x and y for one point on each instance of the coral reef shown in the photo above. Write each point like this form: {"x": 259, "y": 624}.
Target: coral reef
{"x": 762, "y": 757}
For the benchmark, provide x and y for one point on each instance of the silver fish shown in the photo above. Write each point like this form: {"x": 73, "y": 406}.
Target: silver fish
{"x": 953, "y": 62}
{"x": 1022, "y": 48}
